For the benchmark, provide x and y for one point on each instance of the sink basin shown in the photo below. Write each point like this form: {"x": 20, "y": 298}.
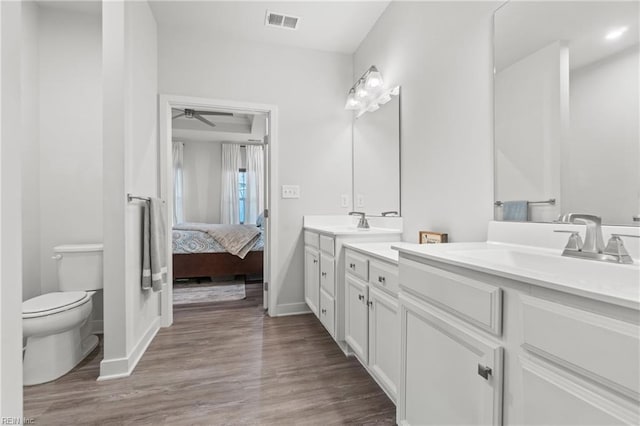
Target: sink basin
{"x": 349, "y": 229}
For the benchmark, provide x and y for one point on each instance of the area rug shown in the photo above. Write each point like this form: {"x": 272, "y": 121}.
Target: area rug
{"x": 189, "y": 293}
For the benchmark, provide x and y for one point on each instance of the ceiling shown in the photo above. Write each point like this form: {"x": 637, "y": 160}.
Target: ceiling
{"x": 334, "y": 26}
{"x": 522, "y": 28}
{"x": 237, "y": 128}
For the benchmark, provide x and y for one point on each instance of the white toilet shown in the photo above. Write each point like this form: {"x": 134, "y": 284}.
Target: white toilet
{"x": 55, "y": 325}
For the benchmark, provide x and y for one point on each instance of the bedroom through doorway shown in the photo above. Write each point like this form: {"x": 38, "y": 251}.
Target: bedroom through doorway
{"x": 218, "y": 181}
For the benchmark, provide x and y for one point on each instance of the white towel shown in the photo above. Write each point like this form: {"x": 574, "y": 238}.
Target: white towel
{"x": 154, "y": 242}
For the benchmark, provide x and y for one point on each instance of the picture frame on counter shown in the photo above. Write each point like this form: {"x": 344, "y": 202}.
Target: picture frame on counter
{"x": 430, "y": 237}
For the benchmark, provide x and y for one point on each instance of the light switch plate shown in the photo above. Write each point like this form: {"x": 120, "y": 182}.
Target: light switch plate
{"x": 344, "y": 200}
{"x": 360, "y": 200}
{"x": 290, "y": 191}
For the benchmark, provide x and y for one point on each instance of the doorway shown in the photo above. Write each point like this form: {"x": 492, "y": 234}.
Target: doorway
{"x": 243, "y": 136}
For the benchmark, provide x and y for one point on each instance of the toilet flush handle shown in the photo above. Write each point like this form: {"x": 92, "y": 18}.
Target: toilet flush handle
{"x": 56, "y": 257}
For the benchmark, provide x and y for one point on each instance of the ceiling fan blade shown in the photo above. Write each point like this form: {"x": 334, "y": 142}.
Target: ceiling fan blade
{"x": 204, "y": 120}
{"x": 227, "y": 114}
{"x": 177, "y": 116}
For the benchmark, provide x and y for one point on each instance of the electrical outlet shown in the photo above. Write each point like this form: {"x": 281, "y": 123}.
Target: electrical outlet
{"x": 360, "y": 200}
{"x": 290, "y": 191}
{"x": 344, "y": 200}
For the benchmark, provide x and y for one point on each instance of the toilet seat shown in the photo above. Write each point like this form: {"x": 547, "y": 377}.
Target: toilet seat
{"x": 52, "y": 303}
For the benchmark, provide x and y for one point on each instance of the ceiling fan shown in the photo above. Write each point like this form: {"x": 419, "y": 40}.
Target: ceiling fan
{"x": 198, "y": 115}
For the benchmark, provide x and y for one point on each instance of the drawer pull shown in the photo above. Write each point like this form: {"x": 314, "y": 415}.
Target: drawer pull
{"x": 352, "y": 265}
{"x": 361, "y": 297}
{"x": 324, "y": 274}
{"x": 315, "y": 260}
{"x": 370, "y": 303}
{"x": 324, "y": 311}
{"x": 381, "y": 279}
{"x": 484, "y": 371}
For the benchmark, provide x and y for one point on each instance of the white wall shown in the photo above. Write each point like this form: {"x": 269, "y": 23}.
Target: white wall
{"x": 70, "y": 133}
{"x": 10, "y": 212}
{"x": 532, "y": 104}
{"x": 132, "y": 316}
{"x": 202, "y": 180}
{"x": 440, "y": 53}
{"x": 600, "y": 169}
{"x": 309, "y": 88}
{"x": 29, "y": 87}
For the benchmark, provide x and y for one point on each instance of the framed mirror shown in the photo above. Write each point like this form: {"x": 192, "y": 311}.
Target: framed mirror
{"x": 566, "y": 135}
{"x": 376, "y": 160}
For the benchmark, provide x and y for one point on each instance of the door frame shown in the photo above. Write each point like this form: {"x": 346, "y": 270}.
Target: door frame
{"x": 166, "y": 102}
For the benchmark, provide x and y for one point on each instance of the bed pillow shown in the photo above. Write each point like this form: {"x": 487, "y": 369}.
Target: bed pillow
{"x": 260, "y": 220}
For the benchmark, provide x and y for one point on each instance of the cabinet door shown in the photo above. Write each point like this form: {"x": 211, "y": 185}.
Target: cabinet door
{"x": 384, "y": 340}
{"x": 327, "y": 274}
{"x": 327, "y": 313}
{"x": 312, "y": 279}
{"x": 357, "y": 327}
{"x": 441, "y": 365}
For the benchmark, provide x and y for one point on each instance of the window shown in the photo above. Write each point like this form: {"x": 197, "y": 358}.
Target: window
{"x": 242, "y": 193}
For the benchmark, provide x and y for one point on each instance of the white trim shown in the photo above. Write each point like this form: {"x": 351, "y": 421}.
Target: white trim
{"x": 288, "y": 309}
{"x": 166, "y": 102}
{"x": 123, "y": 367}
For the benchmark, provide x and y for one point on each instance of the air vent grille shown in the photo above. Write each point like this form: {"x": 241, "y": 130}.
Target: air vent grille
{"x": 280, "y": 20}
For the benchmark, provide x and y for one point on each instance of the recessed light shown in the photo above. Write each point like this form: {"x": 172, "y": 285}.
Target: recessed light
{"x": 614, "y": 34}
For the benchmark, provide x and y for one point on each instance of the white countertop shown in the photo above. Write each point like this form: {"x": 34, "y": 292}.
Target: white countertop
{"x": 350, "y": 230}
{"x": 607, "y": 282}
{"x": 382, "y": 251}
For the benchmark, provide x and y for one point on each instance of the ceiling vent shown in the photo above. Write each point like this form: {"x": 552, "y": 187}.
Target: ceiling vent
{"x": 280, "y": 20}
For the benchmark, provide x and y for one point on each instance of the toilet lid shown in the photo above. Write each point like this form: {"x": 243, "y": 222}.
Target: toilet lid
{"x": 52, "y": 301}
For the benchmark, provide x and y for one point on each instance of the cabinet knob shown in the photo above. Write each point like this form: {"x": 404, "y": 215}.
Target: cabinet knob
{"x": 315, "y": 260}
{"x": 484, "y": 371}
{"x": 324, "y": 274}
{"x": 381, "y": 279}
{"x": 370, "y": 303}
{"x": 324, "y": 311}
{"x": 361, "y": 297}
{"x": 352, "y": 265}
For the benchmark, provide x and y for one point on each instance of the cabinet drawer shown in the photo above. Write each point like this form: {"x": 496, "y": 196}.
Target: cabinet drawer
{"x": 603, "y": 349}
{"x": 311, "y": 239}
{"x": 474, "y": 301}
{"x": 327, "y": 310}
{"x": 327, "y": 245}
{"x": 384, "y": 276}
{"x": 357, "y": 265}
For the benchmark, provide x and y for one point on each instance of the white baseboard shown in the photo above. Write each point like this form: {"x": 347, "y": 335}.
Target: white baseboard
{"x": 123, "y": 367}
{"x": 291, "y": 309}
{"x": 97, "y": 327}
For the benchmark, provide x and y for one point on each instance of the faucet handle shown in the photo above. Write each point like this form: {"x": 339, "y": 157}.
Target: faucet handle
{"x": 615, "y": 247}
{"x": 575, "y": 242}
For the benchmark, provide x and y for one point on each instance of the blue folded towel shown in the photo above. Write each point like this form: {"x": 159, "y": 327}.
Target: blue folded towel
{"x": 515, "y": 211}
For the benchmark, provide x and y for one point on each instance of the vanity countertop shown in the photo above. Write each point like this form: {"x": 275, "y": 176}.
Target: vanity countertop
{"x": 607, "y": 282}
{"x": 351, "y": 230}
{"x": 382, "y": 251}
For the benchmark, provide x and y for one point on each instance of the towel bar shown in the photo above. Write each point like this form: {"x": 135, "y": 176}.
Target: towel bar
{"x": 551, "y": 201}
{"x": 131, "y": 197}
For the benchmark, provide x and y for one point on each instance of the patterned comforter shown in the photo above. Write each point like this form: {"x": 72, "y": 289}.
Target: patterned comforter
{"x": 185, "y": 242}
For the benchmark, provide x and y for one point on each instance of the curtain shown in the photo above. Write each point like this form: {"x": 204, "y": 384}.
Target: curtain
{"x": 229, "y": 198}
{"x": 254, "y": 204}
{"x": 178, "y": 183}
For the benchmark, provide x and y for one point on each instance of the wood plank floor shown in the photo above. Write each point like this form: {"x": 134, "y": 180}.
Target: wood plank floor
{"x": 227, "y": 364}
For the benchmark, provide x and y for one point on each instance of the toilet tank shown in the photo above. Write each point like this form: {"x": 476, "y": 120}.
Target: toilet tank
{"x": 79, "y": 266}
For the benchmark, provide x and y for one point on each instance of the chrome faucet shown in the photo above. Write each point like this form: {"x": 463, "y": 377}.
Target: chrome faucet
{"x": 593, "y": 246}
{"x": 362, "y": 223}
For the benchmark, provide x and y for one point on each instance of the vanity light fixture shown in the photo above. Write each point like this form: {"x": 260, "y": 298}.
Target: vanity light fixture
{"x": 617, "y": 33}
{"x": 368, "y": 93}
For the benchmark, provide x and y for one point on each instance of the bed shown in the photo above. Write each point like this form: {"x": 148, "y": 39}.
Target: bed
{"x": 198, "y": 254}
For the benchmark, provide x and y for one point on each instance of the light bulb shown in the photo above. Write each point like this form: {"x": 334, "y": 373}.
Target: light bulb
{"x": 352, "y": 102}
{"x": 361, "y": 91}
{"x": 374, "y": 79}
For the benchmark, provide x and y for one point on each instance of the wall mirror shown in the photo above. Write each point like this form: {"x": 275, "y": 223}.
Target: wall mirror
{"x": 566, "y": 111}
{"x": 376, "y": 160}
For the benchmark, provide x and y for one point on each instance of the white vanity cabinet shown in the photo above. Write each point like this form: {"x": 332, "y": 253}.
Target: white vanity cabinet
{"x": 372, "y": 315}
{"x": 469, "y": 336}
{"x": 325, "y": 287}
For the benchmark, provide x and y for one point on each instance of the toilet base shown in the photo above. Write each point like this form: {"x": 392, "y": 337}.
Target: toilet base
{"x": 51, "y": 357}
